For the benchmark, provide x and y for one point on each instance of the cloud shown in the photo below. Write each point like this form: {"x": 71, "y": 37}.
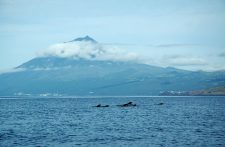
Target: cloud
{"x": 50, "y": 68}
{"x": 176, "y": 45}
{"x": 222, "y": 54}
{"x": 181, "y": 60}
{"x": 12, "y": 70}
{"x": 90, "y": 51}
{"x": 158, "y": 56}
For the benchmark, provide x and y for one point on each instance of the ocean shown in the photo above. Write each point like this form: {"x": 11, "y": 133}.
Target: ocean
{"x": 178, "y": 121}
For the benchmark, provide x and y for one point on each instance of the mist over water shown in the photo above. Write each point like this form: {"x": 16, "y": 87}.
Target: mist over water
{"x": 181, "y": 121}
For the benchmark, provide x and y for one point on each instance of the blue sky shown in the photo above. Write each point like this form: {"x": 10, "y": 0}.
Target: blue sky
{"x": 184, "y": 34}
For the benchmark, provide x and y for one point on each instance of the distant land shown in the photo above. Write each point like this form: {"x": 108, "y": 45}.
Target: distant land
{"x": 210, "y": 92}
{"x": 53, "y": 75}
{"x": 215, "y": 91}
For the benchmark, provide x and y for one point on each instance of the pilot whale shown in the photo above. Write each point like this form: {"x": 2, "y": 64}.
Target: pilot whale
{"x": 129, "y": 104}
{"x": 99, "y": 105}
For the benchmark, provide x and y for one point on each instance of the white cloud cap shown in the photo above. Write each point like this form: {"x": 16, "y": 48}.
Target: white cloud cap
{"x": 89, "y": 51}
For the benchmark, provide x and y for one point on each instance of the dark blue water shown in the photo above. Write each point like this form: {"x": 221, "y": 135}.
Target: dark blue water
{"x": 181, "y": 121}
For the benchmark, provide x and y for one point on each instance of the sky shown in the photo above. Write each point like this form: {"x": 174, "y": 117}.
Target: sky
{"x": 183, "y": 34}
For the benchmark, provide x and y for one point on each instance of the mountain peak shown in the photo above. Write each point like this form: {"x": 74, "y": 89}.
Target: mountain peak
{"x": 86, "y": 39}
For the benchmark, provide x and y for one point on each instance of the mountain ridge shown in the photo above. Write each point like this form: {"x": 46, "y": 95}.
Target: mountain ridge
{"x": 85, "y": 38}
{"x": 66, "y": 76}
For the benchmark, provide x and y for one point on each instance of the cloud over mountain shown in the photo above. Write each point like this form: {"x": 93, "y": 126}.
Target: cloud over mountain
{"x": 181, "y": 60}
{"x": 165, "y": 55}
{"x": 89, "y": 50}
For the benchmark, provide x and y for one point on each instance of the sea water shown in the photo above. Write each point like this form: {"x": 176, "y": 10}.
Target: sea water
{"x": 180, "y": 121}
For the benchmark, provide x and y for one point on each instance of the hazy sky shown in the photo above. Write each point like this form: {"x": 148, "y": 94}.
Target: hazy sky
{"x": 184, "y": 34}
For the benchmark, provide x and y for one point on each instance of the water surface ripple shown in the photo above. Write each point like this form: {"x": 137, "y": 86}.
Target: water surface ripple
{"x": 181, "y": 121}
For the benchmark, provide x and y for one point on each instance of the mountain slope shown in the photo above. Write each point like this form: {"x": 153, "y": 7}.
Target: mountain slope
{"x": 67, "y": 76}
